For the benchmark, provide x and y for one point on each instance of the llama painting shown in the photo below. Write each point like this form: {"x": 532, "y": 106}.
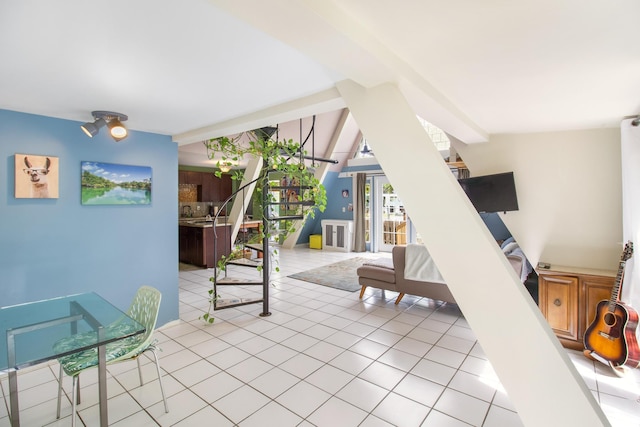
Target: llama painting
{"x": 36, "y": 177}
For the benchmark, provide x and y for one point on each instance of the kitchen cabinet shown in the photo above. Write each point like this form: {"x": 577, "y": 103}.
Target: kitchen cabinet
{"x": 210, "y": 187}
{"x": 226, "y": 187}
{"x": 568, "y": 297}
{"x": 337, "y": 235}
{"x": 190, "y": 241}
{"x": 189, "y": 177}
{"x": 200, "y": 246}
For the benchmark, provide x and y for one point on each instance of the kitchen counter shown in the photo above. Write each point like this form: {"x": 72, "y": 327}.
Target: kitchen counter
{"x": 202, "y": 223}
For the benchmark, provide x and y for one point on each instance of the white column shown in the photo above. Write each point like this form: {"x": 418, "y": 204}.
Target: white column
{"x": 252, "y": 171}
{"x": 535, "y": 370}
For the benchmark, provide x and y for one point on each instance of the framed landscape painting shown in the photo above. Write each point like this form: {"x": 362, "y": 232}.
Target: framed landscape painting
{"x": 115, "y": 184}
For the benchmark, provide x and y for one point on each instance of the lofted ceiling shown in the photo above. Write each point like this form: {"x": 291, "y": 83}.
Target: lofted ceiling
{"x": 196, "y": 69}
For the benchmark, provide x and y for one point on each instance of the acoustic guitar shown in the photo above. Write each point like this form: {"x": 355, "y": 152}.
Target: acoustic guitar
{"x": 612, "y": 334}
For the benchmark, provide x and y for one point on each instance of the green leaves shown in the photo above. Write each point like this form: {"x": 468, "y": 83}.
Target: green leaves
{"x": 285, "y": 157}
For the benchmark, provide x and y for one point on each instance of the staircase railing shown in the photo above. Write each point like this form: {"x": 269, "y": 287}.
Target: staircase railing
{"x": 267, "y": 234}
{"x": 225, "y": 260}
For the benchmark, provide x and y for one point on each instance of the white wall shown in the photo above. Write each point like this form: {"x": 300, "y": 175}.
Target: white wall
{"x": 569, "y": 193}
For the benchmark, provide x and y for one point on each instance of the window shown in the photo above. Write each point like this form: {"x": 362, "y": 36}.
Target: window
{"x": 436, "y": 134}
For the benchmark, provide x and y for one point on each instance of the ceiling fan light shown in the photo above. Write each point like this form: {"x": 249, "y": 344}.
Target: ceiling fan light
{"x": 366, "y": 151}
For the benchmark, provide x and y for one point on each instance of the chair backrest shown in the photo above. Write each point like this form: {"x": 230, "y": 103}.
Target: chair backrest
{"x": 144, "y": 309}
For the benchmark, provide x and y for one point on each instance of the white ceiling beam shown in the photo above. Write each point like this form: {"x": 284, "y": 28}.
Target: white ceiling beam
{"x": 318, "y": 103}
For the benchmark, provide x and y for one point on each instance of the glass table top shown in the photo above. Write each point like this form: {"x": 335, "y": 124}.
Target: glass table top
{"x": 82, "y": 321}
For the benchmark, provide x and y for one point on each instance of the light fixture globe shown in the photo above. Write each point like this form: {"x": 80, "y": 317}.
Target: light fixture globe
{"x": 224, "y": 166}
{"x": 109, "y": 118}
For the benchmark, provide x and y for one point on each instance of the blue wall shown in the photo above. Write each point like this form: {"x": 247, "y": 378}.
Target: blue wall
{"x": 335, "y": 202}
{"x": 494, "y": 223}
{"x": 54, "y": 247}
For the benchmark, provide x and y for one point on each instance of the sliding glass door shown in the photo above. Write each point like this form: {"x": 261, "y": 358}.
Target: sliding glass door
{"x": 391, "y": 225}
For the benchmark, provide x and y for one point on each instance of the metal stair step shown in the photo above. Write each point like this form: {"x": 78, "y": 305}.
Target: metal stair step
{"x": 222, "y": 303}
{"x": 286, "y": 217}
{"x": 290, "y": 187}
{"x": 254, "y": 246}
{"x": 246, "y": 262}
{"x": 299, "y": 203}
{"x": 236, "y": 281}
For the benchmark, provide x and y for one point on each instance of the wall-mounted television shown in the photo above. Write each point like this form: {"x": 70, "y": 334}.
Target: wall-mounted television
{"x": 491, "y": 193}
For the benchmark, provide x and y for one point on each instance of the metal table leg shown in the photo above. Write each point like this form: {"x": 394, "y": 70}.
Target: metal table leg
{"x": 102, "y": 386}
{"x": 13, "y": 398}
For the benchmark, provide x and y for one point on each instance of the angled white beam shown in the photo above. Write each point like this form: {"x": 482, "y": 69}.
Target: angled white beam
{"x": 535, "y": 370}
{"x": 320, "y": 173}
{"x": 317, "y": 103}
{"x": 242, "y": 200}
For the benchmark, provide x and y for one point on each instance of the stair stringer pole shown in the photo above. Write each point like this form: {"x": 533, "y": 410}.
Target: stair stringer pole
{"x": 320, "y": 173}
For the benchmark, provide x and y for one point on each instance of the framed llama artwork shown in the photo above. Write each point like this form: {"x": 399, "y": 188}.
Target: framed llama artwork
{"x": 115, "y": 184}
{"x": 36, "y": 176}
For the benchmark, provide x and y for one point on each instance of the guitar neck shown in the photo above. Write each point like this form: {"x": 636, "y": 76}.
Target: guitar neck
{"x": 615, "y": 291}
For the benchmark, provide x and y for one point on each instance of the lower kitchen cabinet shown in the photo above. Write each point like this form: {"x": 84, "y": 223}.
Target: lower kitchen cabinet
{"x": 200, "y": 246}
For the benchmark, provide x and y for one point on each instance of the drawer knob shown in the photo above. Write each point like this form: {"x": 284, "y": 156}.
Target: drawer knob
{"x": 557, "y": 302}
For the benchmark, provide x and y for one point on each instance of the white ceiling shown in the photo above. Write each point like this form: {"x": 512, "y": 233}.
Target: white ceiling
{"x": 195, "y": 69}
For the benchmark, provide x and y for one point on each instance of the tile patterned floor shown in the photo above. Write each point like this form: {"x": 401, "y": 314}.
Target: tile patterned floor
{"x": 323, "y": 358}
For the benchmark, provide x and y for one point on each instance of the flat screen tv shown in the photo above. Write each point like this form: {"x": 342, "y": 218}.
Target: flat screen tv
{"x": 491, "y": 193}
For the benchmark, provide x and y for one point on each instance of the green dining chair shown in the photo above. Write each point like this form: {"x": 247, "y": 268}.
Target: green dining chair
{"x": 144, "y": 309}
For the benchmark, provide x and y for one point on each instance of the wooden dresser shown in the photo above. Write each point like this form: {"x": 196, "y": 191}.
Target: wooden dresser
{"x": 568, "y": 297}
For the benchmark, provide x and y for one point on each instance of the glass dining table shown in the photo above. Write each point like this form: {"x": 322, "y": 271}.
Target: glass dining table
{"x": 31, "y": 331}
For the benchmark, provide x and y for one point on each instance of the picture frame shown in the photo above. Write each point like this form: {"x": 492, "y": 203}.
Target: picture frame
{"x": 36, "y": 176}
{"x": 345, "y": 193}
{"x": 115, "y": 184}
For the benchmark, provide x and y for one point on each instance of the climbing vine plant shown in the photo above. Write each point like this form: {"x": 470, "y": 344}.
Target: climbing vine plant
{"x": 286, "y": 159}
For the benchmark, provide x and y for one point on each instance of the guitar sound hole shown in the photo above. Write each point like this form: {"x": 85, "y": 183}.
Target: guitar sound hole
{"x": 609, "y": 319}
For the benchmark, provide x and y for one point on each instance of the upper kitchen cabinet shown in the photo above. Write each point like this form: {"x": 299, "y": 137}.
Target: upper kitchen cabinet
{"x": 190, "y": 177}
{"x": 209, "y": 187}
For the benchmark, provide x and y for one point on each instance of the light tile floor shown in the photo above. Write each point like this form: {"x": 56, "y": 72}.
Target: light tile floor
{"x": 323, "y": 358}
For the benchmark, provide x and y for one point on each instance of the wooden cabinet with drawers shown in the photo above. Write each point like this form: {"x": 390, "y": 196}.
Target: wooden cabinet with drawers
{"x": 568, "y": 297}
